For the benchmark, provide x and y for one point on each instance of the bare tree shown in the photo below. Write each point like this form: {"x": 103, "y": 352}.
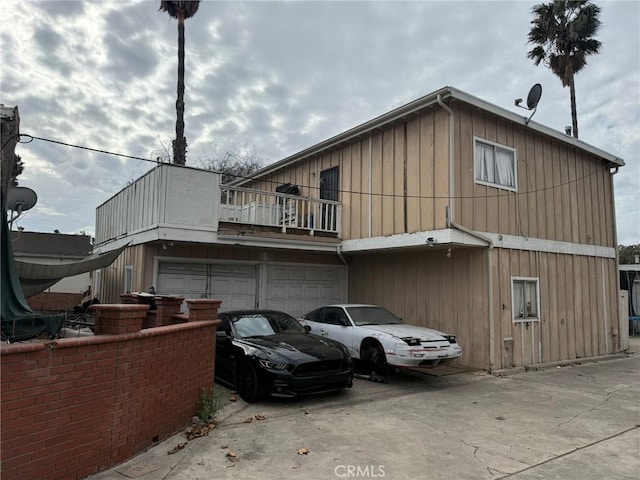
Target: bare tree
{"x": 233, "y": 162}
{"x": 18, "y": 168}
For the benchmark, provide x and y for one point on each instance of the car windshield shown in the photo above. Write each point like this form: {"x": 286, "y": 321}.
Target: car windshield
{"x": 372, "y": 316}
{"x": 265, "y": 323}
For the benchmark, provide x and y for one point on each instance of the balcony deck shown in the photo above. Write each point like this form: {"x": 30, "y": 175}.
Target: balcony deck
{"x": 189, "y": 203}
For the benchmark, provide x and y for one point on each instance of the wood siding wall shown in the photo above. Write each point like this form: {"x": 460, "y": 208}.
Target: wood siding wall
{"x": 402, "y": 186}
{"x": 395, "y": 181}
{"x": 563, "y": 193}
{"x": 112, "y": 277}
{"x": 578, "y": 300}
{"x": 427, "y": 288}
{"x": 578, "y": 307}
{"x": 167, "y": 194}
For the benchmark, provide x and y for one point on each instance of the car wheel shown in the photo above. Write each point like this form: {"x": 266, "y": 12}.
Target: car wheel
{"x": 375, "y": 359}
{"x": 247, "y": 383}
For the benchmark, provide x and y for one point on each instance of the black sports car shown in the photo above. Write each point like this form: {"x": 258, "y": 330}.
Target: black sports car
{"x": 266, "y": 352}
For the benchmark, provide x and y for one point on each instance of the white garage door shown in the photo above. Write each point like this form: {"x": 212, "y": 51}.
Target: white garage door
{"x": 300, "y": 289}
{"x": 235, "y": 285}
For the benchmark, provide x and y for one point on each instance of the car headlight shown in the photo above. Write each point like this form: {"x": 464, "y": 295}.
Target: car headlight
{"x": 411, "y": 341}
{"x": 273, "y": 365}
{"x": 450, "y": 338}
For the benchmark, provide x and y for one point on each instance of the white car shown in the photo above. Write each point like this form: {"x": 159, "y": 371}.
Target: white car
{"x": 376, "y": 336}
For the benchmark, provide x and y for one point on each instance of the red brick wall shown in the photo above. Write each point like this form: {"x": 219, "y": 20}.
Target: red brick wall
{"x": 73, "y": 407}
{"x": 54, "y": 301}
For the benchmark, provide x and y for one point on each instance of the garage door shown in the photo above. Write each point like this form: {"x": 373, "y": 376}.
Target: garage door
{"x": 235, "y": 285}
{"x": 300, "y": 289}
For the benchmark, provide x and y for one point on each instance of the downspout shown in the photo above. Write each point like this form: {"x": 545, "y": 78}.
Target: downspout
{"x": 370, "y": 184}
{"x": 344, "y": 260}
{"x": 618, "y": 344}
{"x": 452, "y": 223}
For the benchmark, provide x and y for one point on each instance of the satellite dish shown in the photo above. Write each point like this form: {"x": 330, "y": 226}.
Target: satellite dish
{"x": 532, "y": 101}
{"x": 21, "y": 199}
{"x": 534, "y": 96}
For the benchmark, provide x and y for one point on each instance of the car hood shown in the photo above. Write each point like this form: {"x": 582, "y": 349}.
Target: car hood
{"x": 297, "y": 348}
{"x": 403, "y": 331}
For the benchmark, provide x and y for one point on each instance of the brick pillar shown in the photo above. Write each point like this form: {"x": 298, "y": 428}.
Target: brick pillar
{"x": 166, "y": 307}
{"x": 118, "y": 319}
{"x": 203, "y": 309}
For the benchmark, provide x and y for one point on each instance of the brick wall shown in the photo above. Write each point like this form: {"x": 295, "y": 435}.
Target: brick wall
{"x": 73, "y": 407}
{"x": 54, "y": 301}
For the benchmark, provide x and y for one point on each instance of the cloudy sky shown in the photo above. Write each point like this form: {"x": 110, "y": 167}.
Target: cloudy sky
{"x": 279, "y": 77}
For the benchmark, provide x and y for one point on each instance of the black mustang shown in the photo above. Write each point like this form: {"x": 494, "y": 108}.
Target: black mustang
{"x": 262, "y": 352}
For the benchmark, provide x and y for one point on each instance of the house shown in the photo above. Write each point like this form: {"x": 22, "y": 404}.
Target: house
{"x": 452, "y": 212}
{"x": 54, "y": 249}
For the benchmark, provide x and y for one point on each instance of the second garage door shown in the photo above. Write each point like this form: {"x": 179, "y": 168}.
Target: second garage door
{"x": 300, "y": 289}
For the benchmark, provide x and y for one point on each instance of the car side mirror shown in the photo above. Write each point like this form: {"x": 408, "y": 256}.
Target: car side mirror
{"x": 307, "y": 328}
{"x": 344, "y": 322}
{"x": 222, "y": 336}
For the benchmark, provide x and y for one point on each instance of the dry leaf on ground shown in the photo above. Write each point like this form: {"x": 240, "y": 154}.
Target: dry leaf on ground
{"x": 177, "y": 448}
{"x": 232, "y": 457}
{"x": 303, "y": 451}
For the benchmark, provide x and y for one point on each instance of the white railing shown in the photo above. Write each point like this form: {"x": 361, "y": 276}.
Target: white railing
{"x": 244, "y": 205}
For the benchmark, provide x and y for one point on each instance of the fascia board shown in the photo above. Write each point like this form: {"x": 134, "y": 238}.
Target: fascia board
{"x": 513, "y": 117}
{"x": 630, "y": 267}
{"x": 514, "y": 242}
{"x": 419, "y": 239}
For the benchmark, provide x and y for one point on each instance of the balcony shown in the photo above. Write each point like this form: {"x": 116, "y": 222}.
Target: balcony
{"x": 286, "y": 212}
{"x": 186, "y": 204}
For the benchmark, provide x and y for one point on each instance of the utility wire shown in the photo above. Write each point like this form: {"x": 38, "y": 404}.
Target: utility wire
{"x": 504, "y": 194}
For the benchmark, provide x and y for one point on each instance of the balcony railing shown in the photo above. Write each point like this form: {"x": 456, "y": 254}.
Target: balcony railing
{"x": 271, "y": 209}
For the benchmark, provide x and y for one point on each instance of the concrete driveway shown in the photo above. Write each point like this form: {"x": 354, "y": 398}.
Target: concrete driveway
{"x": 570, "y": 422}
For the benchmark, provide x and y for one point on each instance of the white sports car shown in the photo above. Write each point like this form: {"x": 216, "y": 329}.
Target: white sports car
{"x": 376, "y": 336}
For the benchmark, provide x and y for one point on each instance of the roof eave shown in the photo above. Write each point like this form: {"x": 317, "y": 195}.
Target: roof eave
{"x": 513, "y": 117}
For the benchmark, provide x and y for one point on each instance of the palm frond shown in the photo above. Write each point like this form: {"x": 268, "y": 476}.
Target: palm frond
{"x": 180, "y": 8}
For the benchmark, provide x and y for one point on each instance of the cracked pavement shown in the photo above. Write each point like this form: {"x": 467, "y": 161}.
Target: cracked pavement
{"x": 578, "y": 422}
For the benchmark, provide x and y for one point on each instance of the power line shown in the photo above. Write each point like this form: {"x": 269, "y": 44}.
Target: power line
{"x": 502, "y": 194}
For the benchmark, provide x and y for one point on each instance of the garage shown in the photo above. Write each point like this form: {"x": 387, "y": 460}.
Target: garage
{"x": 234, "y": 284}
{"x": 292, "y": 288}
{"x": 298, "y": 289}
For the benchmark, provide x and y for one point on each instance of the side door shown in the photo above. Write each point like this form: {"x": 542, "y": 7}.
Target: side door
{"x": 329, "y": 190}
{"x": 336, "y": 325}
{"x": 313, "y": 320}
{"x": 225, "y": 351}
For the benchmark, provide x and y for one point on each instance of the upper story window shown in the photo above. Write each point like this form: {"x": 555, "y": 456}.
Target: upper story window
{"x": 494, "y": 165}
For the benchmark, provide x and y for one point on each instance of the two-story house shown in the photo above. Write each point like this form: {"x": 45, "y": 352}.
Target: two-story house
{"x": 450, "y": 211}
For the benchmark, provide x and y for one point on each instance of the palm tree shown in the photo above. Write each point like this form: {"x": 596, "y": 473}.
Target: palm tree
{"x": 180, "y": 10}
{"x": 563, "y": 31}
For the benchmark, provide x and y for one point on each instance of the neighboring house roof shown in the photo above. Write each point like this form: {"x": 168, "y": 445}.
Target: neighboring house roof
{"x": 38, "y": 244}
{"x": 428, "y": 101}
